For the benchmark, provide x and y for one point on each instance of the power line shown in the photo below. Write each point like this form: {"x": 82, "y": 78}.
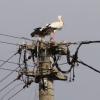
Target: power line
{"x": 7, "y": 85}
{"x": 8, "y": 69}
{"x": 10, "y": 91}
{"x": 63, "y": 63}
{"x": 6, "y": 77}
{"x": 9, "y": 62}
{"x": 81, "y": 62}
{"x": 69, "y": 43}
{"x": 9, "y": 43}
{"x": 83, "y": 42}
{"x": 15, "y": 94}
{"x": 16, "y": 37}
{"x": 8, "y": 59}
{"x": 8, "y": 74}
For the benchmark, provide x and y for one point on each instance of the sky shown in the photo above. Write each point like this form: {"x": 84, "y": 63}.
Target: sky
{"x": 81, "y": 22}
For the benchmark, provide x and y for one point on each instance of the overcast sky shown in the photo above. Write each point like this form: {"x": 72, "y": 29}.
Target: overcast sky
{"x": 82, "y": 22}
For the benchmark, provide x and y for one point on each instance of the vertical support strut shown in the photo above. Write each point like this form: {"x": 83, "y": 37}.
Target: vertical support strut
{"x": 46, "y": 90}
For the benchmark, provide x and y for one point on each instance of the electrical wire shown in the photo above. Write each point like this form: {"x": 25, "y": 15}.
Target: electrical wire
{"x": 15, "y": 70}
{"x": 7, "y": 85}
{"x": 85, "y": 42}
{"x": 9, "y": 43}
{"x": 6, "y": 77}
{"x": 20, "y": 51}
{"x": 10, "y": 91}
{"x": 88, "y": 42}
{"x": 81, "y": 62}
{"x": 9, "y": 62}
{"x": 63, "y": 63}
{"x": 12, "y": 63}
{"x": 69, "y": 43}
{"x": 8, "y": 59}
{"x": 15, "y": 94}
{"x": 8, "y": 69}
{"x": 82, "y": 42}
{"x": 16, "y": 37}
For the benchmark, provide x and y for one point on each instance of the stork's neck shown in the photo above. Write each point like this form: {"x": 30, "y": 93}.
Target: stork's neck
{"x": 61, "y": 21}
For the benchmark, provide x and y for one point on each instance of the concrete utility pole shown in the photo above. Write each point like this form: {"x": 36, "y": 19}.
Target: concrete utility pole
{"x": 46, "y": 71}
{"x": 46, "y": 90}
{"x": 48, "y": 93}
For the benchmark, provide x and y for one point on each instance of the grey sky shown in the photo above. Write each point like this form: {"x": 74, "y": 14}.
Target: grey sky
{"x": 82, "y": 22}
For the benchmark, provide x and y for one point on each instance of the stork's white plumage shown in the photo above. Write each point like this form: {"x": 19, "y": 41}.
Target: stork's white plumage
{"x": 57, "y": 24}
{"x": 49, "y": 28}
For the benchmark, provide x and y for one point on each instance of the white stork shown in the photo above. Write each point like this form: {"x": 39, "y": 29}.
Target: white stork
{"x": 49, "y": 28}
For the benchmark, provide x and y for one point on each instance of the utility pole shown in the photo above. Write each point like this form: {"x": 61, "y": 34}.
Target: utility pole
{"x": 48, "y": 93}
{"x": 48, "y": 74}
{"x": 46, "y": 71}
{"x": 46, "y": 90}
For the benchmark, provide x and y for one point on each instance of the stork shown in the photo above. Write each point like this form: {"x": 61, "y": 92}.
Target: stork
{"x": 49, "y": 29}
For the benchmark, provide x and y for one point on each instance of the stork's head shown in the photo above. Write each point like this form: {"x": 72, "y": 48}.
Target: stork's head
{"x": 59, "y": 17}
